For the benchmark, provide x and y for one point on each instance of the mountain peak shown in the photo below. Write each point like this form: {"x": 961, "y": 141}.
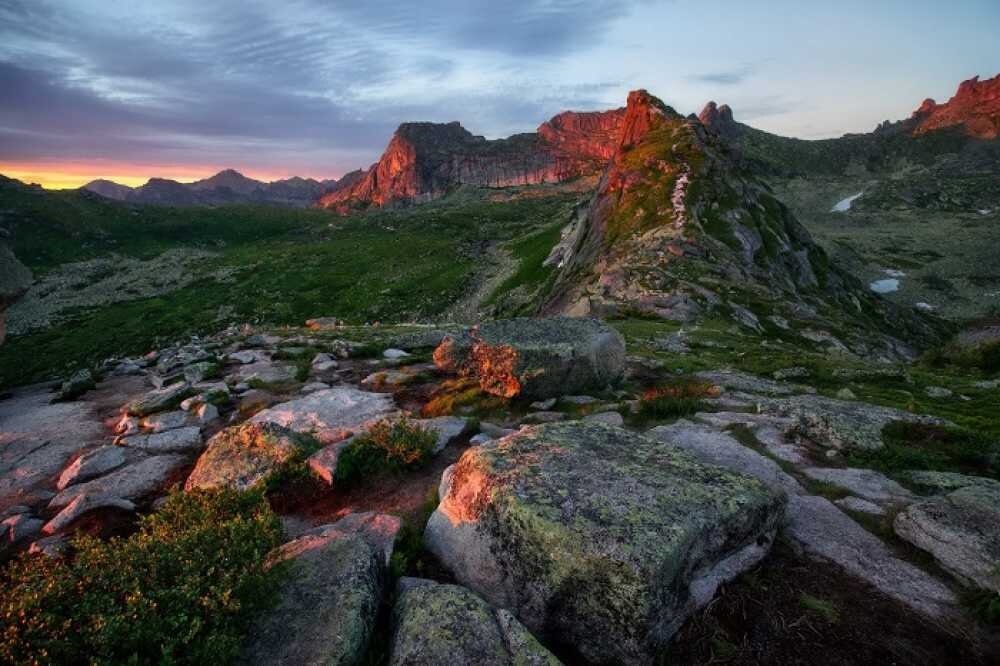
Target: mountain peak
{"x": 975, "y": 108}
{"x": 719, "y": 119}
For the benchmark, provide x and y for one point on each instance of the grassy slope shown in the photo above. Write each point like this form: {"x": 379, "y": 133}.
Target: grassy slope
{"x": 292, "y": 265}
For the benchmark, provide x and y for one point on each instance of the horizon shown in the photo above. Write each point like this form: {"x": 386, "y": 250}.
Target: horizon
{"x": 320, "y": 89}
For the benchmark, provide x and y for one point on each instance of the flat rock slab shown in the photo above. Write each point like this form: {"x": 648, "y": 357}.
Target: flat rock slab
{"x": 944, "y": 482}
{"x": 38, "y": 439}
{"x": 330, "y": 415}
{"x": 605, "y": 538}
{"x": 132, "y": 482}
{"x": 92, "y": 464}
{"x": 160, "y": 400}
{"x": 243, "y": 456}
{"x": 536, "y": 358}
{"x": 327, "y": 607}
{"x": 842, "y": 424}
{"x": 180, "y": 440}
{"x": 865, "y": 483}
{"x": 821, "y": 529}
{"x": 447, "y": 429}
{"x": 448, "y": 625}
{"x": 961, "y": 530}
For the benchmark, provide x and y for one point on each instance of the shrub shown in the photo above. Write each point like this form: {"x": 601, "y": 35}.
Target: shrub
{"x": 675, "y": 400}
{"x": 180, "y": 590}
{"x": 390, "y": 445}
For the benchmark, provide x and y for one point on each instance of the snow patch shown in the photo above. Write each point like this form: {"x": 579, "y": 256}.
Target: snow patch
{"x": 886, "y": 286}
{"x": 844, "y": 205}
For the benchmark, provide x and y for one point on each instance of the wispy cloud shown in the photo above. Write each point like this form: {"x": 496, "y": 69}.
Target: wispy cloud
{"x": 730, "y": 77}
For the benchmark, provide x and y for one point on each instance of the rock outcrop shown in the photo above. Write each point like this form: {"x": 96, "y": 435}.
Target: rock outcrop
{"x": 243, "y": 456}
{"x": 425, "y": 160}
{"x": 680, "y": 227}
{"x": 595, "y": 535}
{"x": 719, "y": 119}
{"x": 447, "y": 625}
{"x": 536, "y": 358}
{"x": 975, "y": 109}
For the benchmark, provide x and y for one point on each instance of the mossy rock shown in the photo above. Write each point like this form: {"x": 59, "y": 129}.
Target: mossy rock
{"x": 601, "y": 538}
{"x": 246, "y": 455}
{"x": 448, "y": 625}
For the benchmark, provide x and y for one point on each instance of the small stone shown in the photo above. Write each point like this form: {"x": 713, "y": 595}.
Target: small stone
{"x": 939, "y": 392}
{"x": 543, "y": 417}
{"x": 207, "y": 413}
{"x": 242, "y": 357}
{"x": 544, "y": 405}
{"x": 481, "y": 438}
{"x": 394, "y": 354}
{"x": 314, "y": 386}
{"x": 165, "y": 421}
{"x": 324, "y": 462}
{"x": 127, "y": 425}
{"x": 846, "y": 394}
{"x": 579, "y": 399}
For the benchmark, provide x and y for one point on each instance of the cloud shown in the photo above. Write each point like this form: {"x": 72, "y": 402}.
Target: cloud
{"x": 319, "y": 85}
{"x": 730, "y": 77}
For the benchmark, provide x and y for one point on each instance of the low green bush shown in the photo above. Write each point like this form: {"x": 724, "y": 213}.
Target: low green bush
{"x": 389, "y": 445}
{"x": 181, "y": 590}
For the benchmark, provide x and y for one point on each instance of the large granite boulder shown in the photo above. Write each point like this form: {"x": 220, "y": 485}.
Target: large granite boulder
{"x": 604, "y": 538}
{"x": 330, "y": 415}
{"x": 447, "y": 625}
{"x": 134, "y": 482}
{"x": 329, "y": 603}
{"x": 536, "y": 358}
{"x": 961, "y": 530}
{"x": 242, "y": 456}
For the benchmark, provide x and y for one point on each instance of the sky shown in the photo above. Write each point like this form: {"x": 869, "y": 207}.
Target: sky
{"x": 129, "y": 89}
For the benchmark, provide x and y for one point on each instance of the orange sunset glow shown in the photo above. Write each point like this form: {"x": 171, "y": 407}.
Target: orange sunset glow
{"x": 70, "y": 175}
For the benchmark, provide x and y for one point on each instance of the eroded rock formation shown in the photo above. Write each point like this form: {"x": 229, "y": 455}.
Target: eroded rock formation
{"x": 975, "y": 108}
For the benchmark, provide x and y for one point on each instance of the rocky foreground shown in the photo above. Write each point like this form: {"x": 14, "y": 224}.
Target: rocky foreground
{"x": 567, "y": 527}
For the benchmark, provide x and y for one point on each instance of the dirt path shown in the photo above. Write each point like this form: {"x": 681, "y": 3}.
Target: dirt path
{"x": 498, "y": 266}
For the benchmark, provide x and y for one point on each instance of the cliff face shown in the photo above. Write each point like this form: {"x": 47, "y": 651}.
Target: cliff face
{"x": 424, "y": 160}
{"x": 15, "y": 278}
{"x": 680, "y": 228}
{"x": 975, "y": 107}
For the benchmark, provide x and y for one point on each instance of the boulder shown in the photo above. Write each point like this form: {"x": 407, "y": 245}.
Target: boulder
{"x": 242, "y": 456}
{"x": 165, "y": 421}
{"x": 323, "y": 463}
{"x": 81, "y": 505}
{"x": 961, "y": 530}
{"x": 242, "y": 357}
{"x": 328, "y": 605}
{"x": 447, "y": 625}
{"x": 604, "y": 538}
{"x": 18, "y": 529}
{"x": 160, "y": 400}
{"x": 92, "y": 464}
{"x": 132, "y": 482}
{"x": 330, "y": 415}
{"x": 536, "y": 358}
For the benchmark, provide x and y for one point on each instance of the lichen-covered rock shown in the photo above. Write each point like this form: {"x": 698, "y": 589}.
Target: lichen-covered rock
{"x": 842, "y": 424}
{"x": 865, "y": 483}
{"x": 961, "y": 530}
{"x": 536, "y": 358}
{"x": 245, "y": 455}
{"x": 447, "y": 625}
{"x": 328, "y": 605}
{"x": 179, "y": 440}
{"x": 603, "y": 537}
{"x": 330, "y": 415}
{"x": 934, "y": 482}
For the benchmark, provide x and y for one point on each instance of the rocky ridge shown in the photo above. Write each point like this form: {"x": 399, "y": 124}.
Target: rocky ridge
{"x": 424, "y": 161}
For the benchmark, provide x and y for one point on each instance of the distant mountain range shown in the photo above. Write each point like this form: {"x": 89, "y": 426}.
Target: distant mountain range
{"x": 226, "y": 187}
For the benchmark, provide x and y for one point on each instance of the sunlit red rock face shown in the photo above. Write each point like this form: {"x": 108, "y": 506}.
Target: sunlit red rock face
{"x": 976, "y": 107}
{"x": 424, "y": 160}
